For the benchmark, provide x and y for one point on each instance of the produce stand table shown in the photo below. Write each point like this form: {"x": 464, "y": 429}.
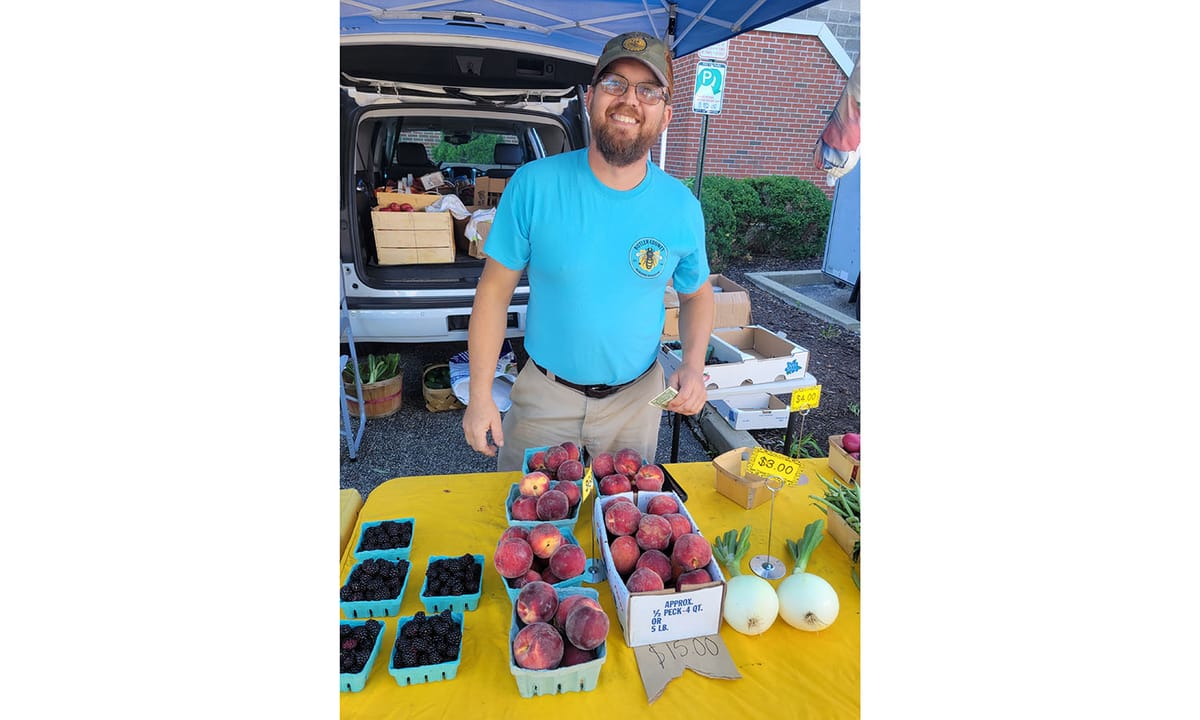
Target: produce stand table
{"x": 785, "y": 672}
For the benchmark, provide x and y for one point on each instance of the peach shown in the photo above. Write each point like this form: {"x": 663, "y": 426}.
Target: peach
{"x": 574, "y": 656}
{"x": 568, "y": 602}
{"x": 586, "y": 627}
{"x": 515, "y": 531}
{"x": 693, "y": 577}
{"x": 538, "y": 646}
{"x": 537, "y": 602}
{"x": 571, "y": 490}
{"x": 615, "y": 484}
{"x": 555, "y": 457}
{"x": 627, "y": 461}
{"x": 572, "y": 451}
{"x": 570, "y": 470}
{"x": 529, "y": 576}
{"x": 625, "y": 552}
{"x": 622, "y": 518}
{"x": 568, "y": 561}
{"x": 553, "y": 505}
{"x": 679, "y": 525}
{"x": 658, "y": 562}
{"x": 545, "y": 539}
{"x": 602, "y": 465}
{"x": 649, "y": 478}
{"x": 661, "y": 504}
{"x": 692, "y": 551}
{"x": 524, "y": 508}
{"x": 653, "y": 532}
{"x": 513, "y": 557}
{"x": 534, "y": 483}
{"x": 644, "y": 580}
{"x": 537, "y": 461}
{"x": 549, "y": 576}
{"x": 624, "y": 499}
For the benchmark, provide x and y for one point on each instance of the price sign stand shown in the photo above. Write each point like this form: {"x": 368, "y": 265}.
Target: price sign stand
{"x": 768, "y": 566}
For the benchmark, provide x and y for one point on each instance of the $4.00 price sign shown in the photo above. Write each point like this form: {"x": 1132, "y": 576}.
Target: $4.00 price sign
{"x": 766, "y": 463}
{"x": 805, "y": 398}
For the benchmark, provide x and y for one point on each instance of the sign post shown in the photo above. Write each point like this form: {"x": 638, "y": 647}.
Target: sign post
{"x": 707, "y": 97}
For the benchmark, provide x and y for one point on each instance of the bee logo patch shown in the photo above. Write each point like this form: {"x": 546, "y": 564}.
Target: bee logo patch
{"x": 648, "y": 257}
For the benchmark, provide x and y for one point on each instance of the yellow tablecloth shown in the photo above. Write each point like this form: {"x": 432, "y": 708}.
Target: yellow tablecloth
{"x": 786, "y": 673}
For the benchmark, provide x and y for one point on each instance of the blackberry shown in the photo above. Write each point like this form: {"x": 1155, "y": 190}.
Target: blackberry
{"x": 375, "y": 579}
{"x": 453, "y": 576}
{"x": 387, "y": 535}
{"x": 357, "y": 643}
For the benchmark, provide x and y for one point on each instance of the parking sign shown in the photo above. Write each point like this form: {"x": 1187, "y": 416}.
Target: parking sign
{"x": 710, "y": 88}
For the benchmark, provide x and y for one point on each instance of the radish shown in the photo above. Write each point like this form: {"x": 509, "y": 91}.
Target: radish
{"x": 751, "y": 604}
{"x": 807, "y": 601}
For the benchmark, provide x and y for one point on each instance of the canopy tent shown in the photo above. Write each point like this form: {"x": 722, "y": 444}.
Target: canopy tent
{"x": 578, "y": 29}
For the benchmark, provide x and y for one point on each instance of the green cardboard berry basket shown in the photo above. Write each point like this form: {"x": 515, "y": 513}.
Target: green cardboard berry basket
{"x": 375, "y": 608}
{"x": 575, "y": 678}
{"x": 425, "y": 673}
{"x": 354, "y": 682}
{"x": 458, "y": 603}
{"x": 401, "y": 553}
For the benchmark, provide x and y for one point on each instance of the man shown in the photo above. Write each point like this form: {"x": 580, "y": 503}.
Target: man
{"x": 600, "y": 231}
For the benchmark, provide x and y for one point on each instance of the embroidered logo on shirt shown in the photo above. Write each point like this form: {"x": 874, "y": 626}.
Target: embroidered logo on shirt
{"x": 648, "y": 257}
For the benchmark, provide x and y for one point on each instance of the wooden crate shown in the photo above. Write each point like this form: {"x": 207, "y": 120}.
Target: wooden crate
{"x": 407, "y": 238}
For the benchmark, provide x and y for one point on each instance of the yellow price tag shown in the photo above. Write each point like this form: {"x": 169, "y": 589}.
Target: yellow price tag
{"x": 587, "y": 485}
{"x": 806, "y": 398}
{"x": 767, "y": 464}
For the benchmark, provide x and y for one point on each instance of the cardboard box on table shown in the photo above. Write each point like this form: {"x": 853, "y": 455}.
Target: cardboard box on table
{"x": 846, "y": 467}
{"x": 753, "y": 411}
{"x": 665, "y": 615}
{"x": 731, "y": 306}
{"x": 734, "y": 482}
{"x": 405, "y": 238}
{"x": 744, "y": 356}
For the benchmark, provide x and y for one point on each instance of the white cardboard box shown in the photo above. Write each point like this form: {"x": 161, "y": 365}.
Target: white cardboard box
{"x": 755, "y": 411}
{"x": 746, "y": 355}
{"x": 666, "y": 615}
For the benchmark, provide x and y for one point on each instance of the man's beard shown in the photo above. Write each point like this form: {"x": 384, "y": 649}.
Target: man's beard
{"x": 619, "y": 150}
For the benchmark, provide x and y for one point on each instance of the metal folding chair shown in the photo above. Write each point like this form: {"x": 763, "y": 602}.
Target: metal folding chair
{"x": 352, "y": 434}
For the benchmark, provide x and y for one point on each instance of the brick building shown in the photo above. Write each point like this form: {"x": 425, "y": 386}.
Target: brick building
{"x": 781, "y": 84}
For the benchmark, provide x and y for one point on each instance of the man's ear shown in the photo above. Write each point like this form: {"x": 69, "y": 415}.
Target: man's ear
{"x": 667, "y": 114}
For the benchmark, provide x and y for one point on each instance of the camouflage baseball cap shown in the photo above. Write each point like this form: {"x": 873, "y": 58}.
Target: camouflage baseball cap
{"x": 646, "y": 49}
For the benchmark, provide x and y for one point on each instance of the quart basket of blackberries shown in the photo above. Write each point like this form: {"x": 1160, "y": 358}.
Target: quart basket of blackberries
{"x": 360, "y": 642}
{"x": 452, "y": 583}
{"x": 385, "y": 539}
{"x": 374, "y": 588}
{"x": 428, "y": 648}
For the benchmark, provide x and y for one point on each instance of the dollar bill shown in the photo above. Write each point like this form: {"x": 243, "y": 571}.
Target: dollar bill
{"x": 664, "y": 398}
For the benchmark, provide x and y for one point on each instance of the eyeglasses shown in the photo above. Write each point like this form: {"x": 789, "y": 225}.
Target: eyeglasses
{"x": 647, "y": 92}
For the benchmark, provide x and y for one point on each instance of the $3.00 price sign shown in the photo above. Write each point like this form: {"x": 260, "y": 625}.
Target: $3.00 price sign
{"x": 766, "y": 463}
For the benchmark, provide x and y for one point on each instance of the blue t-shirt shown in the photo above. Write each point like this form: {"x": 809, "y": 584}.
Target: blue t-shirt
{"x": 598, "y": 262}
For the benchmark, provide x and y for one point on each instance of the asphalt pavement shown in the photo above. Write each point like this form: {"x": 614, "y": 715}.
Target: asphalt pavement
{"x": 417, "y": 442}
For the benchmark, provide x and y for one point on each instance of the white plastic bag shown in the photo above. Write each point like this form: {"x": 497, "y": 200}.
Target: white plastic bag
{"x": 451, "y": 203}
{"x": 472, "y": 229}
{"x": 506, "y": 375}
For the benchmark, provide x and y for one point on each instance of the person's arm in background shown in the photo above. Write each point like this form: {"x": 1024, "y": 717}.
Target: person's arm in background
{"x": 485, "y": 337}
{"x": 695, "y": 329}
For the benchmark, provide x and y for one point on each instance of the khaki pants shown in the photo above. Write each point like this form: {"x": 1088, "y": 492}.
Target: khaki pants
{"x": 545, "y": 413}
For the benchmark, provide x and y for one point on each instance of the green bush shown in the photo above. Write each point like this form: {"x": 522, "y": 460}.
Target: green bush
{"x": 481, "y": 149}
{"x": 793, "y": 219}
{"x": 775, "y": 215}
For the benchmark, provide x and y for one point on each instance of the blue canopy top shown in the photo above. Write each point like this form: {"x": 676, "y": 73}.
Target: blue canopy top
{"x": 579, "y": 28}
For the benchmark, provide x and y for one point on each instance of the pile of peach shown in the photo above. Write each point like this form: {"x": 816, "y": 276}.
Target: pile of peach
{"x": 556, "y": 632}
{"x": 624, "y": 471}
{"x": 558, "y": 462}
{"x": 541, "y": 498}
{"x": 541, "y": 552}
{"x": 656, "y": 549}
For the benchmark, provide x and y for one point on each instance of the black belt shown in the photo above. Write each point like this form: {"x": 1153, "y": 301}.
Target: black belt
{"x": 592, "y": 391}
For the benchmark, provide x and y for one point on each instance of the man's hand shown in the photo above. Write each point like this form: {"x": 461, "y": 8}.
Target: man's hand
{"x": 692, "y": 393}
{"x": 482, "y": 416}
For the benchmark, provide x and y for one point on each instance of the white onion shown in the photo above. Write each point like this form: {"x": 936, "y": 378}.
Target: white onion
{"x": 807, "y": 601}
{"x": 751, "y": 604}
